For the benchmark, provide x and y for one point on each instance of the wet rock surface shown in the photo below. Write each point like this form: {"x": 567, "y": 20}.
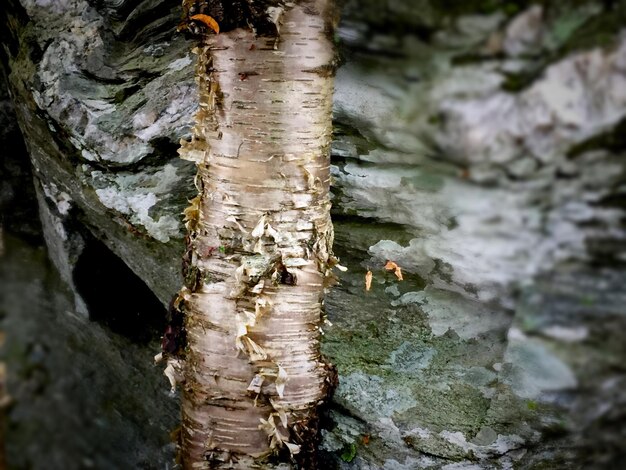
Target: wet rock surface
{"x": 479, "y": 147}
{"x": 82, "y": 396}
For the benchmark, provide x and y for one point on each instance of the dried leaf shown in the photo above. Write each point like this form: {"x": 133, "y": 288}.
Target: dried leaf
{"x": 368, "y": 280}
{"x": 208, "y": 21}
{"x": 391, "y": 266}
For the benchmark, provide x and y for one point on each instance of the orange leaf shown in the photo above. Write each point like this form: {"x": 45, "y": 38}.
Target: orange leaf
{"x": 391, "y": 266}
{"x": 368, "y": 280}
{"x": 208, "y": 21}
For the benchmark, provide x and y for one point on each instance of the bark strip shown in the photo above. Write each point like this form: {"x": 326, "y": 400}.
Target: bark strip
{"x": 259, "y": 244}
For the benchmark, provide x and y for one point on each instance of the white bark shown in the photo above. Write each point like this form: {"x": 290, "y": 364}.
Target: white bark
{"x": 260, "y": 239}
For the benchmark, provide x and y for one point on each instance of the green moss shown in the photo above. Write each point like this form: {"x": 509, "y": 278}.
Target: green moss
{"x": 366, "y": 331}
{"x": 507, "y": 411}
{"x": 461, "y": 408}
{"x": 357, "y": 351}
{"x": 349, "y": 453}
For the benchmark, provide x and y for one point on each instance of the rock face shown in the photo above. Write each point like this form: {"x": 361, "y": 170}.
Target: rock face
{"x": 481, "y": 148}
{"x": 485, "y": 162}
{"x": 104, "y": 93}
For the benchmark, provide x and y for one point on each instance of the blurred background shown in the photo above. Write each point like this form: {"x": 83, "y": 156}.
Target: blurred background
{"x": 480, "y": 145}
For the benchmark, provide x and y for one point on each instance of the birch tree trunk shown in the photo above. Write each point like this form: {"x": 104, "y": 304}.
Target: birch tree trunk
{"x": 260, "y": 238}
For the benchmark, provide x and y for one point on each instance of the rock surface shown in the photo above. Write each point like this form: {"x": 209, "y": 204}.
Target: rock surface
{"x": 478, "y": 147}
{"x": 82, "y": 397}
{"x": 105, "y": 94}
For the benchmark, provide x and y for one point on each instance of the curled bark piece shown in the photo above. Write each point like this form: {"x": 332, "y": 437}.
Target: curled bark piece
{"x": 207, "y": 21}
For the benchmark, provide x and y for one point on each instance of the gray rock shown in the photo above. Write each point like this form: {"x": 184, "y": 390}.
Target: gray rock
{"x": 481, "y": 155}
{"x": 103, "y": 97}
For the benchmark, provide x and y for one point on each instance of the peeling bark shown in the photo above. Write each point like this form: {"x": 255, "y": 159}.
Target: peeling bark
{"x": 260, "y": 241}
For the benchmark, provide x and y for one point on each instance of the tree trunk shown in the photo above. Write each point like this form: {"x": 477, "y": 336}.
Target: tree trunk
{"x": 260, "y": 237}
